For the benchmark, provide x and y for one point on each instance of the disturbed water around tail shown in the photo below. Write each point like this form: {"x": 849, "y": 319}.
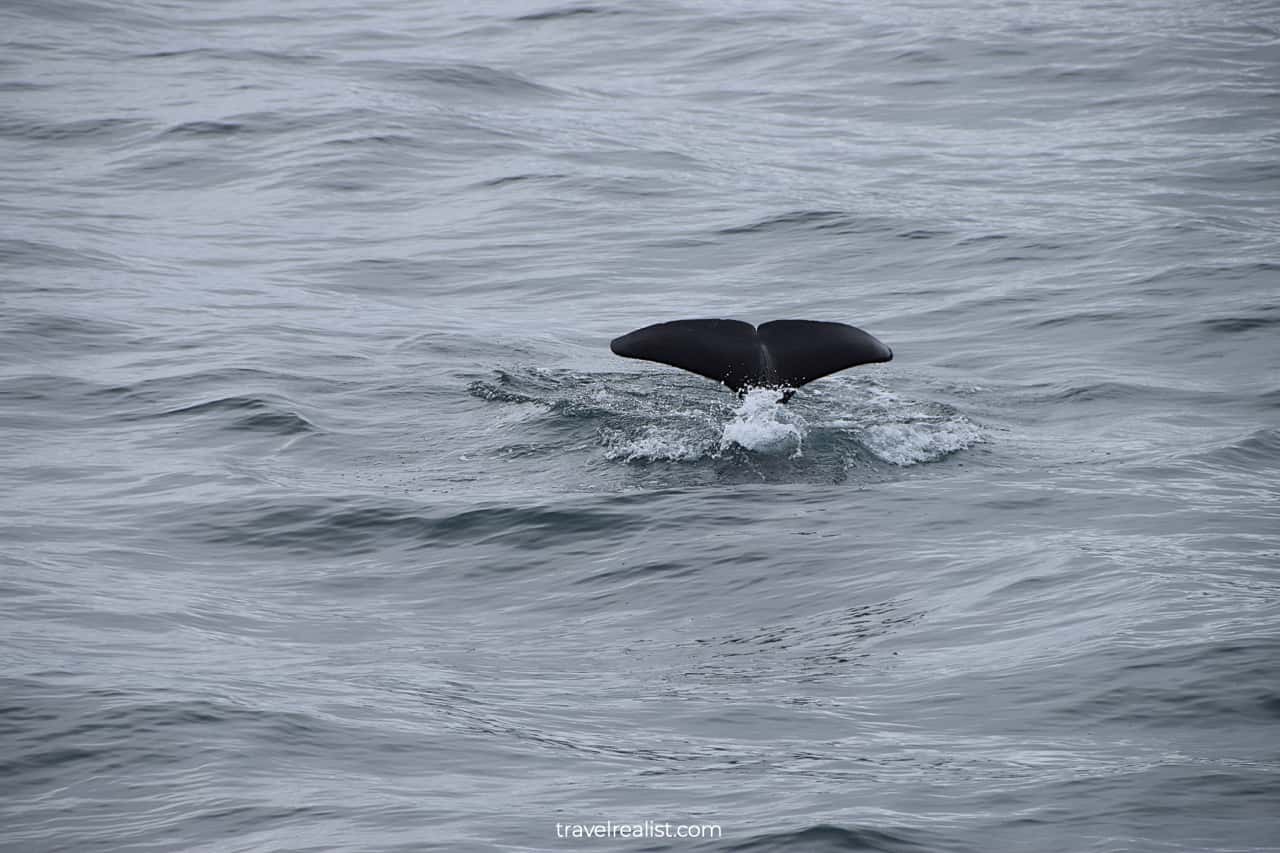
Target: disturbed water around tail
{"x": 330, "y": 522}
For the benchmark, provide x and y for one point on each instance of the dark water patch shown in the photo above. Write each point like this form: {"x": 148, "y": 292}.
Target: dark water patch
{"x": 18, "y": 580}
{"x": 56, "y": 737}
{"x": 679, "y": 243}
{"x": 926, "y": 81}
{"x": 1240, "y": 793}
{"x": 31, "y": 253}
{"x": 1029, "y": 505}
{"x": 1002, "y": 50}
{"x": 514, "y": 179}
{"x": 255, "y": 414}
{"x": 815, "y": 642}
{"x": 1158, "y": 283}
{"x": 158, "y": 389}
{"x": 78, "y": 12}
{"x": 1022, "y": 258}
{"x": 163, "y": 171}
{"x": 398, "y": 140}
{"x": 797, "y": 218}
{"x": 462, "y": 77}
{"x": 205, "y": 128}
{"x": 1008, "y": 249}
{"x": 249, "y": 56}
{"x": 46, "y": 387}
{"x": 1059, "y": 75}
{"x": 94, "y": 130}
{"x": 1129, "y": 392}
{"x": 981, "y": 238}
{"x": 1264, "y": 317}
{"x": 625, "y": 575}
{"x": 53, "y": 734}
{"x": 146, "y": 401}
{"x": 1085, "y": 317}
{"x": 255, "y": 123}
{"x": 568, "y": 12}
{"x": 376, "y": 275}
{"x": 46, "y": 335}
{"x": 920, "y": 56}
{"x": 633, "y": 170}
{"x": 827, "y": 837}
{"x": 355, "y": 526}
{"x": 1204, "y": 684}
{"x": 832, "y": 222}
{"x": 250, "y": 817}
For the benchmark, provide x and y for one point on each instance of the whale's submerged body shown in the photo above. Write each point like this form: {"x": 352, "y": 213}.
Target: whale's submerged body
{"x": 778, "y": 354}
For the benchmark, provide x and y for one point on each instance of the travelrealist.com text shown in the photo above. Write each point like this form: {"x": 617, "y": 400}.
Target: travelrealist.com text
{"x": 643, "y": 829}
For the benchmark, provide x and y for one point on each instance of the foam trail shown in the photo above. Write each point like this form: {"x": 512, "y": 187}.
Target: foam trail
{"x": 763, "y": 425}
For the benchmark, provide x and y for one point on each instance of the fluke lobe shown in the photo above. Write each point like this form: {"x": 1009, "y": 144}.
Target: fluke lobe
{"x": 780, "y": 354}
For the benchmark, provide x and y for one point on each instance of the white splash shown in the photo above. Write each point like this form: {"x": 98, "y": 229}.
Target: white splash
{"x": 656, "y": 444}
{"x": 763, "y": 425}
{"x": 906, "y": 432}
{"x": 913, "y": 442}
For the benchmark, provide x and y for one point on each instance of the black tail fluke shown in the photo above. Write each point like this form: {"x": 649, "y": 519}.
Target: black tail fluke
{"x": 780, "y": 354}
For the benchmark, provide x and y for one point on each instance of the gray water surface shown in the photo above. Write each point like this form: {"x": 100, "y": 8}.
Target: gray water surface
{"x": 331, "y": 523}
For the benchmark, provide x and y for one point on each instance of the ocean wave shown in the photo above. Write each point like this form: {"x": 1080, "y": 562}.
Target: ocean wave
{"x": 364, "y": 525}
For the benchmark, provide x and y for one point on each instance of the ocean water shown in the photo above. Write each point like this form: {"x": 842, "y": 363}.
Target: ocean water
{"x": 330, "y": 522}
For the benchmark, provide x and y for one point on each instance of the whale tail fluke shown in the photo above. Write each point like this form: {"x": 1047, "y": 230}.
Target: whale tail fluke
{"x": 779, "y": 354}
